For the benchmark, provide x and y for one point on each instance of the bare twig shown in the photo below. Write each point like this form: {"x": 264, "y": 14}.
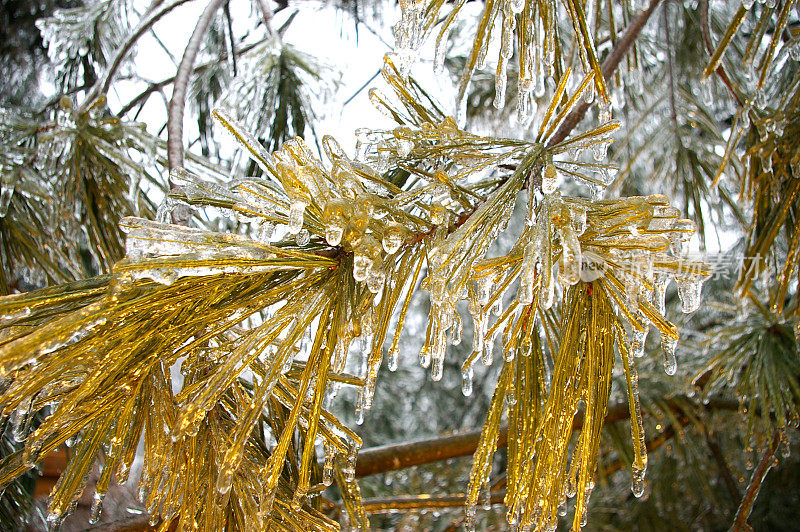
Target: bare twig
{"x": 178, "y": 101}
{"x": 158, "y": 85}
{"x": 102, "y": 84}
{"x": 608, "y": 68}
{"x": 766, "y": 463}
{"x": 399, "y": 456}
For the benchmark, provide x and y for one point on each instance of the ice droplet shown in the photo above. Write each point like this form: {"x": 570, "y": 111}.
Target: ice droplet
{"x": 637, "y": 483}
{"x": 361, "y": 266}
{"x": 466, "y": 381}
{"x": 333, "y": 233}
{"x": 668, "y": 345}
{"x": 393, "y": 238}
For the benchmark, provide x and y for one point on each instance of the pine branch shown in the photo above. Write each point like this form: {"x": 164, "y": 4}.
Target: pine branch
{"x": 760, "y": 473}
{"x": 102, "y": 85}
{"x": 399, "y": 456}
{"x": 178, "y": 101}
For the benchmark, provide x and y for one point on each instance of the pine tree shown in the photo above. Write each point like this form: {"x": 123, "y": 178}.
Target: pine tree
{"x": 232, "y": 334}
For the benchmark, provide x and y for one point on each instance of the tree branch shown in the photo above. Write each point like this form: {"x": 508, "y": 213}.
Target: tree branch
{"x": 178, "y": 101}
{"x": 608, "y": 67}
{"x": 158, "y": 85}
{"x": 101, "y": 86}
{"x": 399, "y": 456}
{"x": 760, "y": 473}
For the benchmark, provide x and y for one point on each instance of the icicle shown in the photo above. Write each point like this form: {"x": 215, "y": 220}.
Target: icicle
{"x": 441, "y": 50}
{"x": 97, "y": 507}
{"x": 391, "y": 361}
{"x": 577, "y": 215}
{"x": 466, "y": 381}
{"x": 376, "y": 278}
{"x": 638, "y": 341}
{"x": 265, "y": 232}
{"x": 349, "y": 470}
{"x": 525, "y": 291}
{"x": 393, "y": 237}
{"x": 425, "y": 357}
{"x": 456, "y": 330}
{"x": 669, "y": 345}
{"x": 225, "y": 478}
{"x": 360, "y": 408}
{"x": 500, "y": 83}
{"x": 296, "y": 211}
{"x": 361, "y": 265}
{"x": 689, "y": 293}
{"x": 570, "y": 271}
{"x": 487, "y": 355}
{"x": 637, "y": 483}
{"x": 487, "y": 496}
{"x": 327, "y": 469}
{"x": 660, "y": 291}
{"x": 437, "y": 369}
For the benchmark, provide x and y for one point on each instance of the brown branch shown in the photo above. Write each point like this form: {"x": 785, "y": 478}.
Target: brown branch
{"x": 102, "y": 85}
{"x": 608, "y": 68}
{"x": 178, "y": 101}
{"x": 399, "y": 456}
{"x": 767, "y": 461}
